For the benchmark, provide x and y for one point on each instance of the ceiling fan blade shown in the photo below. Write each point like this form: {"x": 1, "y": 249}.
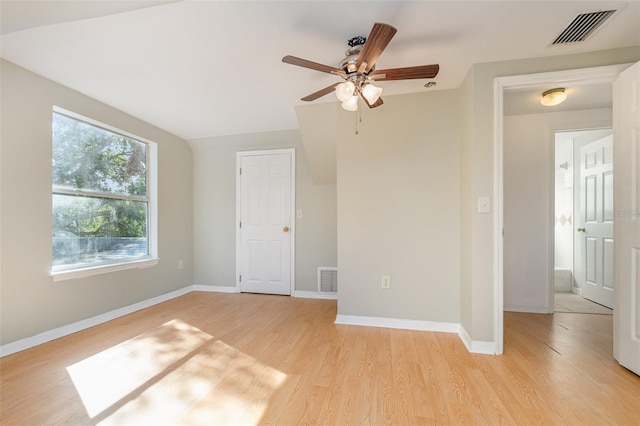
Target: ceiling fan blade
{"x": 309, "y": 64}
{"x": 373, "y": 105}
{"x": 320, "y": 93}
{"x": 408, "y": 73}
{"x": 379, "y": 38}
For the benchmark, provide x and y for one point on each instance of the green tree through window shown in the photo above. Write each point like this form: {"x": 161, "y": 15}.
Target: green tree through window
{"x": 100, "y": 200}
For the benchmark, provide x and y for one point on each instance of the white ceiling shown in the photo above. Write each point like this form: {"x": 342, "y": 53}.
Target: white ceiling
{"x": 209, "y": 68}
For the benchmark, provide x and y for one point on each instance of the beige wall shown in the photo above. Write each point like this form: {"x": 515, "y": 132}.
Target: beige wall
{"x": 528, "y": 195}
{"x": 399, "y": 209}
{"x": 406, "y": 196}
{"x": 478, "y": 320}
{"x": 31, "y": 302}
{"x": 214, "y": 162}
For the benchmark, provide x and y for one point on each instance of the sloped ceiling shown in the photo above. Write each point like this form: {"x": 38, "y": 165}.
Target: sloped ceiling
{"x": 211, "y": 68}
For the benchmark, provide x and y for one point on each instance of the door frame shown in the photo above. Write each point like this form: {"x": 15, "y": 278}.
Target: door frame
{"x": 239, "y": 155}
{"x": 603, "y": 74}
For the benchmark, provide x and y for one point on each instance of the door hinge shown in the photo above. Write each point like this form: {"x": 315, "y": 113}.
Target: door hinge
{"x": 240, "y": 224}
{"x": 240, "y": 278}
{"x": 240, "y": 171}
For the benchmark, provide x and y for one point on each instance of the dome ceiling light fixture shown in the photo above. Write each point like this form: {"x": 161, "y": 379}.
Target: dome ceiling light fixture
{"x": 553, "y": 97}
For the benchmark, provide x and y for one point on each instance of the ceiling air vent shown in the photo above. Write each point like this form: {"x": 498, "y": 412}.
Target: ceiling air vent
{"x": 583, "y": 26}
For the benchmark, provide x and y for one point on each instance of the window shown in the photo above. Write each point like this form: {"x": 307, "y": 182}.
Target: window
{"x": 103, "y": 198}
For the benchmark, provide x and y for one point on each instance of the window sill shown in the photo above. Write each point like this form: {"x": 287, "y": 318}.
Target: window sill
{"x": 103, "y": 269}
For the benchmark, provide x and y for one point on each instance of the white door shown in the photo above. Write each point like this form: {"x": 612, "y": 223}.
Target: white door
{"x": 265, "y": 225}
{"x": 595, "y": 224}
{"x": 626, "y": 118}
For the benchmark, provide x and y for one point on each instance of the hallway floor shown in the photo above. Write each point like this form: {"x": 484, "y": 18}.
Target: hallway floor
{"x": 574, "y": 303}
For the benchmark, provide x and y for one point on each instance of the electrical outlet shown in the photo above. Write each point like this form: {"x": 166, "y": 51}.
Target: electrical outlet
{"x": 180, "y": 264}
{"x": 386, "y": 281}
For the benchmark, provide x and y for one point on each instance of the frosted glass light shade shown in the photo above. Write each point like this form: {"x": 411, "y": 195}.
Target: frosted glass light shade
{"x": 344, "y": 91}
{"x": 553, "y": 97}
{"x": 371, "y": 93}
{"x": 351, "y": 104}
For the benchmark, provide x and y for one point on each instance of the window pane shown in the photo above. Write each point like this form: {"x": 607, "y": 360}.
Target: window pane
{"x": 97, "y": 230}
{"x": 90, "y": 158}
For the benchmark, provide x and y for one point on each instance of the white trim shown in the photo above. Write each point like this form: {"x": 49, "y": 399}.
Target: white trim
{"x": 73, "y": 274}
{"x": 238, "y": 216}
{"x": 405, "y": 324}
{"x": 477, "y": 346}
{"x": 292, "y": 153}
{"x": 551, "y": 235}
{"x": 595, "y": 75}
{"x": 498, "y": 220}
{"x": 65, "y": 330}
{"x": 216, "y": 288}
{"x": 152, "y": 188}
{"x": 99, "y": 124}
{"x": 582, "y": 76}
{"x": 528, "y": 309}
{"x": 315, "y": 295}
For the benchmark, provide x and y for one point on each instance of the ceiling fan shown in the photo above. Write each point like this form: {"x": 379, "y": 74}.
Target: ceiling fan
{"x": 358, "y": 69}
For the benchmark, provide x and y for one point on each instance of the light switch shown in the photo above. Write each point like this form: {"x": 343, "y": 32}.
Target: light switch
{"x": 299, "y": 214}
{"x": 484, "y": 205}
{"x": 386, "y": 281}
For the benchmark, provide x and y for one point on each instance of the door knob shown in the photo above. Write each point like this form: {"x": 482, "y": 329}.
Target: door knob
{"x": 582, "y": 229}
{"x": 285, "y": 229}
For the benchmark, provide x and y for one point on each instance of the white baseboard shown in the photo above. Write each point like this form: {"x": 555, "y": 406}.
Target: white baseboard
{"x": 65, "y": 330}
{"x": 314, "y": 295}
{"x": 526, "y": 308}
{"x": 406, "y": 324}
{"x": 216, "y": 288}
{"x": 477, "y": 346}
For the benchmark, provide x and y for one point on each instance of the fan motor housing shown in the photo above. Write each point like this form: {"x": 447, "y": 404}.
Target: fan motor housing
{"x": 348, "y": 64}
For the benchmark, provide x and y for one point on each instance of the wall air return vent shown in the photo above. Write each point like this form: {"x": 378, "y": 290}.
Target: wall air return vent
{"x": 327, "y": 279}
{"x": 583, "y": 26}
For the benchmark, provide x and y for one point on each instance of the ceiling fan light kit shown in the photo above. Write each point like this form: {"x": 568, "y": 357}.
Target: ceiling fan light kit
{"x": 358, "y": 70}
{"x": 553, "y": 97}
{"x": 351, "y": 104}
{"x": 344, "y": 91}
{"x": 371, "y": 93}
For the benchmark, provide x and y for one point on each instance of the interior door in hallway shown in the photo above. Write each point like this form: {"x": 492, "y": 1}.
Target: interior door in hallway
{"x": 626, "y": 315}
{"x": 265, "y": 226}
{"x": 595, "y": 226}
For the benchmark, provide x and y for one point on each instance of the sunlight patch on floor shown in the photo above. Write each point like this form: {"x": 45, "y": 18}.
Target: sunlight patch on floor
{"x": 175, "y": 374}
{"x": 219, "y": 386}
{"x": 109, "y": 376}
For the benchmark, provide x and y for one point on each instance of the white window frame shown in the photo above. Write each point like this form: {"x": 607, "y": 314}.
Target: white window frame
{"x": 152, "y": 214}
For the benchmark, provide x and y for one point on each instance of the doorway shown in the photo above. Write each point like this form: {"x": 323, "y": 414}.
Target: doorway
{"x": 532, "y": 81}
{"x": 265, "y": 233}
{"x": 583, "y": 221}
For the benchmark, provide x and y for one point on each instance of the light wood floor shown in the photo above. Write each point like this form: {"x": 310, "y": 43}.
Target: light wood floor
{"x": 213, "y": 359}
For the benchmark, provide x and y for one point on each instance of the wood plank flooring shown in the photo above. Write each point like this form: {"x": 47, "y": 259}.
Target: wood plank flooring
{"x": 216, "y": 359}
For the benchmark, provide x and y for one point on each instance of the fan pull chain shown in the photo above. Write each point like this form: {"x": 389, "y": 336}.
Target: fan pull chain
{"x": 358, "y": 119}
{"x": 356, "y": 115}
